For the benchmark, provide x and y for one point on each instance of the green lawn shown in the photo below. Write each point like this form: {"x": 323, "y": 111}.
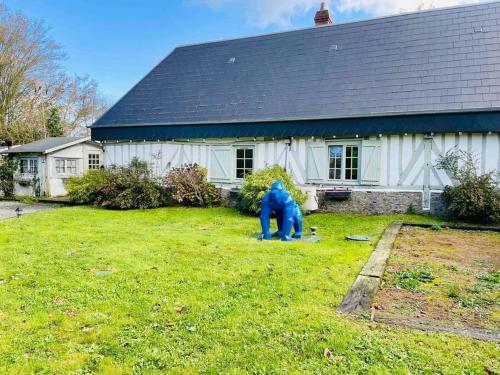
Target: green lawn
{"x": 192, "y": 291}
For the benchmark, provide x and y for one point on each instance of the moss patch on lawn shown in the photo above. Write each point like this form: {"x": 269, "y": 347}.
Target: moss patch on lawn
{"x": 448, "y": 275}
{"x": 174, "y": 290}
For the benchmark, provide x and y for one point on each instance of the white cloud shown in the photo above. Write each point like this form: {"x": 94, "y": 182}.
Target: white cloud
{"x": 385, "y": 7}
{"x": 263, "y": 13}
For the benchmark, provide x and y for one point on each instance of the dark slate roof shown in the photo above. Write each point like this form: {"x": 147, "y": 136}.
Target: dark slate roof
{"x": 445, "y": 60}
{"x": 43, "y": 145}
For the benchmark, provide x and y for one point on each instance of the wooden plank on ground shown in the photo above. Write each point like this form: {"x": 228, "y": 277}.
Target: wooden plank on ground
{"x": 360, "y": 297}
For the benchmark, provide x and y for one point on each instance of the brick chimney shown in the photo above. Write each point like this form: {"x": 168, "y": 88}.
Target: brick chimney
{"x": 322, "y": 17}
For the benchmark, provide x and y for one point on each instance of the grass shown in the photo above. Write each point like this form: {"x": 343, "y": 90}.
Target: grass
{"x": 192, "y": 291}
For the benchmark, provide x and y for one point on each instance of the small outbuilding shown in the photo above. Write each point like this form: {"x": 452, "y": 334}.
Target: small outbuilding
{"x": 45, "y": 165}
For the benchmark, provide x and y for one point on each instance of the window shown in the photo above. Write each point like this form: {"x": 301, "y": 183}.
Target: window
{"x": 94, "y": 162}
{"x": 24, "y": 166}
{"x": 65, "y": 166}
{"x": 343, "y": 162}
{"x": 244, "y": 161}
{"x": 29, "y": 166}
{"x": 60, "y": 166}
{"x": 71, "y": 166}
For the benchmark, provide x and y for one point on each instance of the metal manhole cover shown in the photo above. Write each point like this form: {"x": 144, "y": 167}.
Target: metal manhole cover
{"x": 358, "y": 238}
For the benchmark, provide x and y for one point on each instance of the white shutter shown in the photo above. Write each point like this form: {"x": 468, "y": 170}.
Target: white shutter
{"x": 316, "y": 161}
{"x": 221, "y": 157}
{"x": 370, "y": 162}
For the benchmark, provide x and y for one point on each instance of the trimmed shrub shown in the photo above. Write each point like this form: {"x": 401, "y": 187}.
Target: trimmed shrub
{"x": 257, "y": 184}
{"x": 85, "y": 189}
{"x": 121, "y": 188}
{"x": 8, "y": 167}
{"x": 473, "y": 197}
{"x": 188, "y": 186}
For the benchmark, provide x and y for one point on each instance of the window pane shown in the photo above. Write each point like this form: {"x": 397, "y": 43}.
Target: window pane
{"x": 24, "y": 166}
{"x": 60, "y": 166}
{"x": 71, "y": 165}
{"x": 355, "y": 151}
{"x": 338, "y": 163}
{"x": 348, "y": 174}
{"x": 337, "y": 174}
{"x": 348, "y": 163}
{"x": 249, "y": 164}
{"x": 33, "y": 166}
{"x": 240, "y": 163}
{"x": 348, "y": 152}
{"x": 336, "y": 151}
{"x": 249, "y": 153}
{"x": 240, "y": 153}
{"x": 355, "y": 163}
{"x": 354, "y": 174}
{"x": 240, "y": 173}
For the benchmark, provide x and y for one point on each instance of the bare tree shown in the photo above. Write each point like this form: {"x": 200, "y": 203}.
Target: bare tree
{"x": 27, "y": 57}
{"x": 32, "y": 83}
{"x": 81, "y": 104}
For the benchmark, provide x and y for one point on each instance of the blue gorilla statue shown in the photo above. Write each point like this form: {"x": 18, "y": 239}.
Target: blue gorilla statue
{"x": 287, "y": 213}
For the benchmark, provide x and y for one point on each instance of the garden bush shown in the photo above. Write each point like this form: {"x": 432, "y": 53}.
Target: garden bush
{"x": 257, "y": 184}
{"x": 118, "y": 188}
{"x": 474, "y": 197}
{"x": 8, "y": 167}
{"x": 188, "y": 186}
{"x": 85, "y": 189}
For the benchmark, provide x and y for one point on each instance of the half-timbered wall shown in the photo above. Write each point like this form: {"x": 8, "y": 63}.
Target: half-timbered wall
{"x": 401, "y": 162}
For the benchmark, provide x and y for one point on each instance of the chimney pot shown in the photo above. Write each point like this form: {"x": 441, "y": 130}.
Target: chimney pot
{"x": 322, "y": 17}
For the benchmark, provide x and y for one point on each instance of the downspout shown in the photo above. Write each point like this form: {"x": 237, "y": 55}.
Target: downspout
{"x": 426, "y": 199}
{"x": 288, "y": 146}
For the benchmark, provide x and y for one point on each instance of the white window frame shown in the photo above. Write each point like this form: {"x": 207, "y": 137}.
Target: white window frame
{"x": 71, "y": 164}
{"x": 31, "y": 166}
{"x": 344, "y": 145}
{"x": 92, "y": 157}
{"x": 66, "y": 167}
{"x": 60, "y": 164}
{"x": 235, "y": 158}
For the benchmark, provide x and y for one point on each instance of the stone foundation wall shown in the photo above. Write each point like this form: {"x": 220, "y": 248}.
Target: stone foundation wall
{"x": 230, "y": 198}
{"x": 373, "y": 202}
{"x": 438, "y": 205}
{"x": 366, "y": 202}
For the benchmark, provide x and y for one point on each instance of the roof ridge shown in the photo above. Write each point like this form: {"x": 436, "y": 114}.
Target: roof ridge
{"x": 403, "y": 14}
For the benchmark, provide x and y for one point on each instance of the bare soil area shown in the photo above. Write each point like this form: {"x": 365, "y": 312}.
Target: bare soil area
{"x": 447, "y": 276}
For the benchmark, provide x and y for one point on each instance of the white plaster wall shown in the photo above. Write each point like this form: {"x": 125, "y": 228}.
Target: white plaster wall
{"x": 56, "y": 182}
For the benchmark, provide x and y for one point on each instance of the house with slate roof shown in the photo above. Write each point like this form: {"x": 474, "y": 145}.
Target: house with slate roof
{"x": 362, "y": 108}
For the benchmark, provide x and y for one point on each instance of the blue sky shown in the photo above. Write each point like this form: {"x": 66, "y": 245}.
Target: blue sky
{"x": 117, "y": 42}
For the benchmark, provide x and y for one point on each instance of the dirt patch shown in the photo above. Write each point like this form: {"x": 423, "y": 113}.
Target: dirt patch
{"x": 447, "y": 276}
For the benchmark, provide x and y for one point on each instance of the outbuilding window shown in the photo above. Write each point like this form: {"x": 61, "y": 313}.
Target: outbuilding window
{"x": 343, "y": 162}
{"x": 244, "y": 161}
{"x": 66, "y": 166}
{"x": 60, "y": 166}
{"x": 29, "y": 166}
{"x": 94, "y": 161}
